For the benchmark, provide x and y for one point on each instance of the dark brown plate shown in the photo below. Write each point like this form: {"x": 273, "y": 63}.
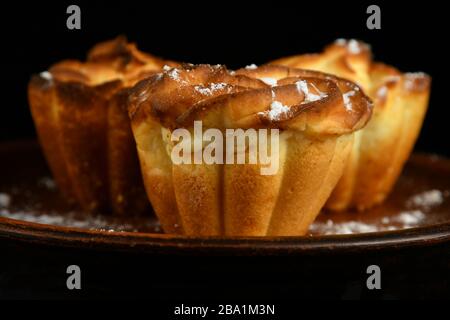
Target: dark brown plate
{"x": 416, "y": 213}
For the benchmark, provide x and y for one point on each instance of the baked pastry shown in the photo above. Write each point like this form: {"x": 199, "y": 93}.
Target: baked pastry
{"x": 382, "y": 147}
{"x": 315, "y": 122}
{"x": 79, "y": 110}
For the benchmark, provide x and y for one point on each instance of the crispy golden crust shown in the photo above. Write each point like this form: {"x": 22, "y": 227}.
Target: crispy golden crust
{"x": 381, "y": 149}
{"x": 180, "y": 96}
{"x": 79, "y": 109}
{"x": 107, "y": 61}
{"x": 347, "y": 59}
{"x": 236, "y": 199}
{"x": 68, "y": 116}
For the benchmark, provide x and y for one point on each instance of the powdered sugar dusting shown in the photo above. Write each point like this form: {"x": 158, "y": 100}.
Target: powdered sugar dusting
{"x": 411, "y": 218}
{"x": 174, "y": 74}
{"x": 410, "y": 79}
{"x": 217, "y": 86}
{"x": 302, "y": 86}
{"x": 403, "y": 220}
{"x": 340, "y": 42}
{"x": 211, "y": 88}
{"x": 203, "y": 90}
{"x": 349, "y": 227}
{"x": 353, "y": 46}
{"x": 46, "y": 75}
{"x": 251, "y": 67}
{"x": 406, "y": 219}
{"x": 347, "y": 102}
{"x": 270, "y": 81}
{"x": 426, "y": 199}
{"x": 157, "y": 77}
{"x": 5, "y": 200}
{"x": 382, "y": 92}
{"x": 415, "y": 75}
{"x": 277, "y": 109}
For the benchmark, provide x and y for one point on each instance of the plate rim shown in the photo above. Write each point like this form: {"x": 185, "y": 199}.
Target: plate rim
{"x": 63, "y": 236}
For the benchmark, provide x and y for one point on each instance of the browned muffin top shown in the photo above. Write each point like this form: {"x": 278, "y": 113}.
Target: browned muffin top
{"x": 268, "y": 96}
{"x": 107, "y": 61}
{"x": 352, "y": 59}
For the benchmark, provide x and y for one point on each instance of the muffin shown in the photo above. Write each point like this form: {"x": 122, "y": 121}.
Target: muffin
{"x": 305, "y": 112}
{"x": 383, "y": 146}
{"x": 79, "y": 110}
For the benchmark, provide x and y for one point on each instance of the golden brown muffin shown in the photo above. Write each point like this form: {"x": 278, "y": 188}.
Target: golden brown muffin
{"x": 315, "y": 126}
{"x": 382, "y": 147}
{"x": 79, "y": 109}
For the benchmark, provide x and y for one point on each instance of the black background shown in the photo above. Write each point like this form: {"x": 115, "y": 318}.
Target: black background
{"x": 235, "y": 33}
